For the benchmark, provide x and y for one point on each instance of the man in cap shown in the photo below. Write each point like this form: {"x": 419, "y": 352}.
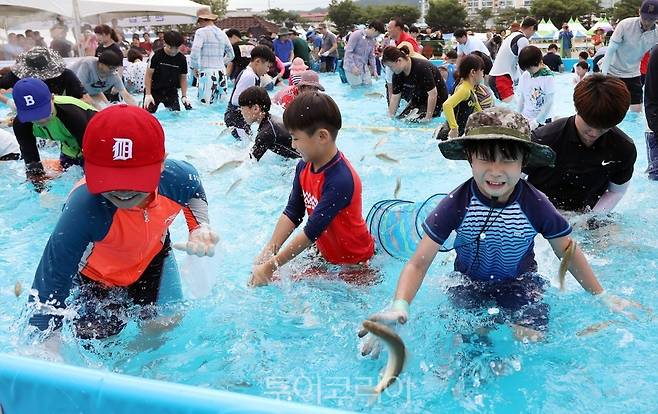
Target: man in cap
{"x": 99, "y": 75}
{"x": 59, "y": 118}
{"x": 283, "y": 47}
{"x": 112, "y": 238}
{"x": 632, "y": 38}
{"x": 47, "y": 65}
{"x": 211, "y": 51}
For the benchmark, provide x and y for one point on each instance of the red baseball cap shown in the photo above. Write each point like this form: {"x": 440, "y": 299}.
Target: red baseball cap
{"x": 123, "y": 149}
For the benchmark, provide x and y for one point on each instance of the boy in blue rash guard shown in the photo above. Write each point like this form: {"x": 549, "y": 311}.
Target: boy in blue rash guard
{"x": 496, "y": 217}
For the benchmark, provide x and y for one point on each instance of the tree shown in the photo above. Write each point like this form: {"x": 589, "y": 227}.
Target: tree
{"x": 448, "y": 15}
{"x": 408, "y": 14}
{"x": 479, "y": 22}
{"x": 280, "y": 16}
{"x": 217, "y": 7}
{"x": 505, "y": 17}
{"x": 560, "y": 11}
{"x": 626, "y": 8}
{"x": 345, "y": 14}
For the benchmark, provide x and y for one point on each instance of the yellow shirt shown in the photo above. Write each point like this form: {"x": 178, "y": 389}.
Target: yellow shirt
{"x": 463, "y": 92}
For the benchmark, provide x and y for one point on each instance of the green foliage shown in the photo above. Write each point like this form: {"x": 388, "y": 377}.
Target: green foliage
{"x": 280, "y": 16}
{"x": 447, "y": 15}
{"x": 345, "y": 14}
{"x": 408, "y": 14}
{"x": 479, "y": 22}
{"x": 218, "y": 7}
{"x": 626, "y": 8}
{"x": 560, "y": 11}
{"x": 505, "y": 17}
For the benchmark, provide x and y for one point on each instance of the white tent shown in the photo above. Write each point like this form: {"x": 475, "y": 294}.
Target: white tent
{"x": 105, "y": 10}
{"x": 19, "y": 11}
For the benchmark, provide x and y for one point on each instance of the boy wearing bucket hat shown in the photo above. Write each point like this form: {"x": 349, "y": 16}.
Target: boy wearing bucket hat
{"x": 112, "y": 239}
{"x": 43, "y": 115}
{"x": 496, "y": 217}
{"x": 47, "y": 65}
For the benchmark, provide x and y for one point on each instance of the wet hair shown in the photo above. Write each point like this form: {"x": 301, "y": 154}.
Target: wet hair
{"x": 255, "y": 95}
{"x": 173, "y": 38}
{"x": 311, "y": 111}
{"x": 488, "y": 63}
{"x": 134, "y": 54}
{"x": 552, "y": 46}
{"x": 451, "y": 54}
{"x": 469, "y": 63}
{"x": 601, "y": 101}
{"x": 392, "y": 53}
{"x": 106, "y": 30}
{"x": 583, "y": 65}
{"x": 530, "y": 56}
{"x": 110, "y": 58}
{"x": 487, "y": 149}
{"x": 232, "y": 32}
{"x": 378, "y": 26}
{"x": 583, "y": 55}
{"x": 264, "y": 53}
{"x": 460, "y": 33}
{"x": 530, "y": 22}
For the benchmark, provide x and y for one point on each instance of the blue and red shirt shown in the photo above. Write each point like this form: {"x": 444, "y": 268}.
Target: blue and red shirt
{"x": 110, "y": 245}
{"x": 506, "y": 250}
{"x": 331, "y": 196}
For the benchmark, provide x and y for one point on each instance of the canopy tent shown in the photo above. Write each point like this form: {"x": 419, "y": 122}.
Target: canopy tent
{"x": 19, "y": 11}
{"x": 577, "y": 28}
{"x": 546, "y": 30}
{"x": 601, "y": 24}
{"x": 105, "y": 10}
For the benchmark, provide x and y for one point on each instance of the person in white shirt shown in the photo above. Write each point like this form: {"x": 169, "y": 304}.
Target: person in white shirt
{"x": 580, "y": 71}
{"x": 467, "y": 44}
{"x": 536, "y": 87}
{"x": 505, "y": 71}
{"x": 632, "y": 38}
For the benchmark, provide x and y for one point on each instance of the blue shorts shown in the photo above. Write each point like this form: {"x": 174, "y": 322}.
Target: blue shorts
{"x": 519, "y": 300}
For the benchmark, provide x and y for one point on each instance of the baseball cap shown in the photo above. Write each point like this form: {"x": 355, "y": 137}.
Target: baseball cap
{"x": 649, "y": 9}
{"x": 123, "y": 149}
{"x": 32, "y": 98}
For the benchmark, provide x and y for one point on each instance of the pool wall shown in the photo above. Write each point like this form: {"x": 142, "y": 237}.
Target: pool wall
{"x": 35, "y": 386}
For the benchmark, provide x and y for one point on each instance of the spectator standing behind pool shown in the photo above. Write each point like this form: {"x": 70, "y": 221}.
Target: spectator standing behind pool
{"x": 359, "y": 61}
{"x": 467, "y": 44}
{"x": 326, "y": 187}
{"x": 595, "y": 159}
{"x": 112, "y": 239}
{"x": 166, "y": 74}
{"x": 418, "y": 82}
{"x": 632, "y": 38}
{"x": 496, "y": 259}
{"x": 565, "y": 37}
{"x": 59, "y": 118}
{"x": 505, "y": 70}
{"x": 211, "y": 51}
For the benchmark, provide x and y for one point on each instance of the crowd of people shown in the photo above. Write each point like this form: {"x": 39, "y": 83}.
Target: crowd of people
{"x": 497, "y": 100}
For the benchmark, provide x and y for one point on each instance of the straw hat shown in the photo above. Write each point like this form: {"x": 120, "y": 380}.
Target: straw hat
{"x": 283, "y": 32}
{"x": 39, "y": 62}
{"x": 205, "y": 14}
{"x": 498, "y": 123}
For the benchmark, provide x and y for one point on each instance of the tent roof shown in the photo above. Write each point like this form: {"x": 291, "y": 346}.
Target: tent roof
{"x": 127, "y": 8}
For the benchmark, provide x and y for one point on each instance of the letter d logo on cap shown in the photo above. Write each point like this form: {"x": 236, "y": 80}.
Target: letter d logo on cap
{"x": 29, "y": 100}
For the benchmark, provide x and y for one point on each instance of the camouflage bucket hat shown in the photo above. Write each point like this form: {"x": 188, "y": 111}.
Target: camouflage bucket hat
{"x": 498, "y": 123}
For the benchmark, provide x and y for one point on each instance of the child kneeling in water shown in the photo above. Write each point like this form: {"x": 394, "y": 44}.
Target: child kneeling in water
{"x": 496, "y": 217}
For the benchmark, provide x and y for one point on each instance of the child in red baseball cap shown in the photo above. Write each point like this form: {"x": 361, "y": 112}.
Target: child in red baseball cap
{"x": 112, "y": 239}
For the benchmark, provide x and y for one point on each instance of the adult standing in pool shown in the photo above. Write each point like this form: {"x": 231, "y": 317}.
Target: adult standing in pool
{"x": 594, "y": 159}
{"x": 633, "y": 37}
{"x": 359, "y": 61}
{"x": 418, "y": 82}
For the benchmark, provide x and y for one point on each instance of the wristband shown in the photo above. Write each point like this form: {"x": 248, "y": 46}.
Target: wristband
{"x": 400, "y": 305}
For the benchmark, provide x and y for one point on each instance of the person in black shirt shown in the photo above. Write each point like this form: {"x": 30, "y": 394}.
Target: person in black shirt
{"x": 595, "y": 159}
{"x": 107, "y": 40}
{"x": 418, "y": 82}
{"x": 272, "y": 135}
{"x": 166, "y": 73}
{"x": 552, "y": 59}
{"x": 45, "y": 64}
{"x": 242, "y": 52}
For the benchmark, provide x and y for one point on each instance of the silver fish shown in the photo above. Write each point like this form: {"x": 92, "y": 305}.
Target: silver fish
{"x": 398, "y": 186}
{"x": 374, "y": 94}
{"x": 592, "y": 329}
{"x": 228, "y": 165}
{"x": 385, "y": 157}
{"x": 565, "y": 262}
{"x": 235, "y": 184}
{"x": 381, "y": 142}
{"x": 396, "y": 353}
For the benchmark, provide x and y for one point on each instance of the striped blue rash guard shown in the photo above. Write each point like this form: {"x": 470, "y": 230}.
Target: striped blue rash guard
{"x": 506, "y": 250}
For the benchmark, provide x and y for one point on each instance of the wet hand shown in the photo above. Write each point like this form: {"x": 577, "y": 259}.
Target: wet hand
{"x": 356, "y": 71}
{"x": 186, "y": 102}
{"x": 148, "y": 101}
{"x": 619, "y": 305}
{"x": 202, "y": 242}
{"x": 396, "y": 314}
{"x": 262, "y": 274}
{"x": 12, "y": 105}
{"x": 454, "y": 133}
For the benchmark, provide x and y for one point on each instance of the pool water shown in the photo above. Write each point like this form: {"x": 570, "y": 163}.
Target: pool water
{"x": 297, "y": 340}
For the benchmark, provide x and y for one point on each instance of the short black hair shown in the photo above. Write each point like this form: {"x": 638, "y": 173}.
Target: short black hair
{"x": 397, "y": 22}
{"x": 530, "y": 56}
{"x": 552, "y": 46}
{"x": 460, "y": 33}
{"x": 452, "y": 54}
{"x": 135, "y": 36}
{"x": 173, "y": 38}
{"x": 378, "y": 26}
{"x": 311, "y": 111}
{"x": 134, "y": 54}
{"x": 487, "y": 149}
{"x": 263, "y": 52}
{"x": 488, "y": 63}
{"x": 583, "y": 65}
{"x": 255, "y": 95}
{"x": 414, "y": 29}
{"x": 233, "y": 32}
{"x": 583, "y": 55}
{"x": 530, "y": 22}
{"x": 110, "y": 58}
{"x": 468, "y": 63}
